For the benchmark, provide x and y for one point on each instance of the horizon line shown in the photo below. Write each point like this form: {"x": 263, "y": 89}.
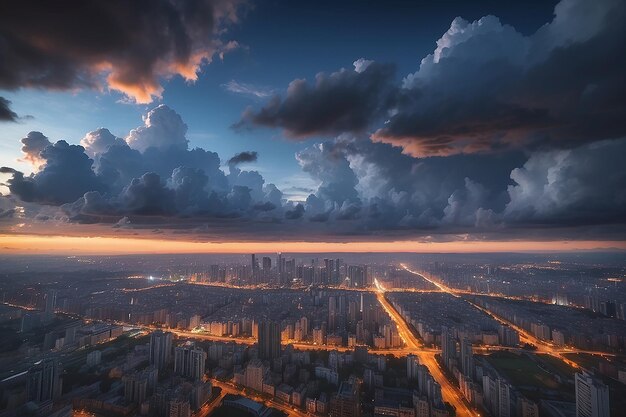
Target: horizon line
{"x": 101, "y": 245}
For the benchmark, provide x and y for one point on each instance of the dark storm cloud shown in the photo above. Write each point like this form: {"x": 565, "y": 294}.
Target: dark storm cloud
{"x": 346, "y": 100}
{"x": 65, "y": 176}
{"x": 6, "y": 114}
{"x": 486, "y": 87}
{"x": 571, "y": 187}
{"x": 132, "y": 44}
{"x": 267, "y": 206}
{"x": 241, "y": 157}
{"x": 296, "y": 213}
{"x": 383, "y": 189}
{"x": 479, "y": 193}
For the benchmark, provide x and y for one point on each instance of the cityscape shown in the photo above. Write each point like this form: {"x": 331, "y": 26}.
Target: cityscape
{"x": 292, "y": 334}
{"x": 328, "y": 208}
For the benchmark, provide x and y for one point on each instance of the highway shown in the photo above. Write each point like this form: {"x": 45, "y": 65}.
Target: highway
{"x": 449, "y": 392}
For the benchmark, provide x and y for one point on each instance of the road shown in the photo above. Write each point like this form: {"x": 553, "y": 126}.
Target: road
{"x": 449, "y": 392}
{"x": 525, "y": 336}
{"x": 208, "y": 408}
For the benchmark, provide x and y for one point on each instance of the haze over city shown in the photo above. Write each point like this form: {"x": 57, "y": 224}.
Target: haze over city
{"x": 331, "y": 208}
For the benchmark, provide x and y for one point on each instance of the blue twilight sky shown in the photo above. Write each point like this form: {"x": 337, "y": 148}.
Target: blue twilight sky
{"x": 282, "y": 41}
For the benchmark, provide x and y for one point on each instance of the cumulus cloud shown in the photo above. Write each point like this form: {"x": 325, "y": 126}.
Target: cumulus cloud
{"x": 242, "y": 157}
{"x": 99, "y": 141}
{"x": 486, "y": 87}
{"x": 162, "y": 181}
{"x": 365, "y": 188}
{"x": 32, "y": 146}
{"x": 577, "y": 186}
{"x": 163, "y": 128}
{"x": 126, "y": 46}
{"x": 295, "y": 213}
{"x": 381, "y": 188}
{"x": 346, "y": 100}
{"x": 66, "y": 175}
{"x": 6, "y": 114}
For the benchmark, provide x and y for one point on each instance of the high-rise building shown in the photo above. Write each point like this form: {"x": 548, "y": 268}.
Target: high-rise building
{"x": 254, "y": 374}
{"x": 592, "y": 396}
{"x": 358, "y": 276}
{"x": 527, "y": 408}
{"x": 51, "y": 302}
{"x": 269, "y": 340}
{"x": 280, "y": 263}
{"x": 467, "y": 358}
{"x": 44, "y": 380}
{"x": 214, "y": 272}
{"x": 135, "y": 387}
{"x": 267, "y": 263}
{"x": 346, "y": 402}
{"x": 412, "y": 365}
{"x": 448, "y": 345}
{"x": 255, "y": 268}
{"x": 160, "y": 349}
{"x": 190, "y": 361}
{"x": 504, "y": 398}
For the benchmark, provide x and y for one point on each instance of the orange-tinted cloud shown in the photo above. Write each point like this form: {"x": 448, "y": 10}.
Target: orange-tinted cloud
{"x": 125, "y": 46}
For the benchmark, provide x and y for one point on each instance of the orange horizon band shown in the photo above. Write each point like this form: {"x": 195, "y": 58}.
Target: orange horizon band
{"x": 39, "y": 244}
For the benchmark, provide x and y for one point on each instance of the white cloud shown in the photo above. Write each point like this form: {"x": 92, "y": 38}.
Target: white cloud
{"x": 247, "y": 89}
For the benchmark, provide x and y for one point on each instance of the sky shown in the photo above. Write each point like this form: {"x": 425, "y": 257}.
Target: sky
{"x": 332, "y": 122}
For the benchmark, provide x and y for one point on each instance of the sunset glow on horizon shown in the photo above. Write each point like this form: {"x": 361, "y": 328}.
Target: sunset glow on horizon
{"x": 60, "y": 245}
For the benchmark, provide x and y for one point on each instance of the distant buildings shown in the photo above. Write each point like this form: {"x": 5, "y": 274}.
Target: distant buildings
{"x": 592, "y": 396}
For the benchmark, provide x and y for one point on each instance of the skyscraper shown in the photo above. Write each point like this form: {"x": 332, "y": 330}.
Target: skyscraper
{"x": 269, "y": 340}
{"x": 448, "y": 345}
{"x": 412, "y": 365}
{"x": 51, "y": 301}
{"x": 346, "y": 402}
{"x": 255, "y": 268}
{"x": 504, "y": 398}
{"x": 160, "y": 349}
{"x": 467, "y": 358}
{"x": 267, "y": 263}
{"x": 592, "y": 396}
{"x": 44, "y": 380}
